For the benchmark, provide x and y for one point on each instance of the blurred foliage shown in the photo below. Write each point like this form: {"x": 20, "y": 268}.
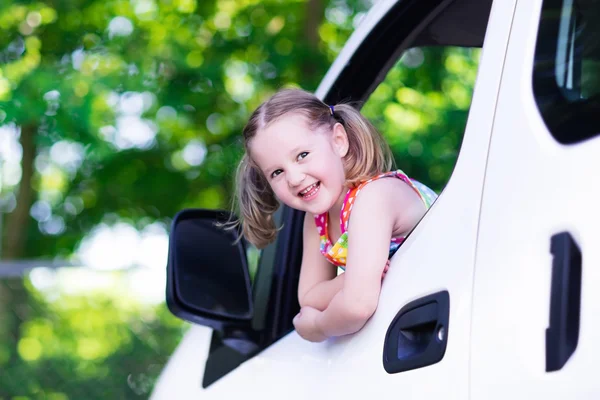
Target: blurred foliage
{"x": 128, "y": 111}
{"x": 421, "y": 108}
{"x": 82, "y": 343}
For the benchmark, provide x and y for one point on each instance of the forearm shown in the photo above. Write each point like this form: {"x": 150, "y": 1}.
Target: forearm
{"x": 343, "y": 317}
{"x": 321, "y": 294}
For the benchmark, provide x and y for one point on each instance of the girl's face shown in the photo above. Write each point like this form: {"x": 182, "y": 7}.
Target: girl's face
{"x": 303, "y": 166}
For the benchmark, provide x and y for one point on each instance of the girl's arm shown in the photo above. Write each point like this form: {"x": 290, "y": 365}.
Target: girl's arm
{"x": 318, "y": 282}
{"x": 321, "y": 294}
{"x": 383, "y": 208}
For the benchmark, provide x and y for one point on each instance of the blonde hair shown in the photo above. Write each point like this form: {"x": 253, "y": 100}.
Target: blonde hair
{"x": 368, "y": 155}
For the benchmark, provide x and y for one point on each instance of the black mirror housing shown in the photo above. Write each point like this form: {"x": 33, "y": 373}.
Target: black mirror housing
{"x": 208, "y": 280}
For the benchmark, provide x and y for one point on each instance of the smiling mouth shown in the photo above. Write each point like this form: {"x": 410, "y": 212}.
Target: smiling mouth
{"x": 310, "y": 191}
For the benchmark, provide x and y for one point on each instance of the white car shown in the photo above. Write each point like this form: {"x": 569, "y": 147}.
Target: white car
{"x": 494, "y": 295}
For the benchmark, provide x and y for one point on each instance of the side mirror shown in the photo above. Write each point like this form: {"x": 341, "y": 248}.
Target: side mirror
{"x": 208, "y": 280}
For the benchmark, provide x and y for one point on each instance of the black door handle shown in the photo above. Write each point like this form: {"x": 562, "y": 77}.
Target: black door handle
{"x": 565, "y": 301}
{"x": 418, "y": 335}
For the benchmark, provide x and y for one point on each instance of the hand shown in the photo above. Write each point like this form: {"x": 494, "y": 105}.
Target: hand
{"x": 385, "y": 270}
{"x": 306, "y": 326}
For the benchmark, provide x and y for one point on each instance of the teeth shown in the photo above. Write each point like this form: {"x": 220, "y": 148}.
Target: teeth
{"x": 308, "y": 189}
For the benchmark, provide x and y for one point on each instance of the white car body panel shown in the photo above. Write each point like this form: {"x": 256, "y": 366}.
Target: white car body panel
{"x": 535, "y": 187}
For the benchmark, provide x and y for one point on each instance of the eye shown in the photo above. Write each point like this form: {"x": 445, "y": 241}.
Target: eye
{"x": 275, "y": 173}
{"x": 302, "y": 155}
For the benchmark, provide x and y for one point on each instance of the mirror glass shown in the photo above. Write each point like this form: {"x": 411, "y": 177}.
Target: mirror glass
{"x": 209, "y": 268}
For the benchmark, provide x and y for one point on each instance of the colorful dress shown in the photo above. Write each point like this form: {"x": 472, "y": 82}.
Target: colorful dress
{"x": 337, "y": 253}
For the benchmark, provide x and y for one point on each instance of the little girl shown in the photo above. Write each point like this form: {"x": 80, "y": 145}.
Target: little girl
{"x": 328, "y": 161}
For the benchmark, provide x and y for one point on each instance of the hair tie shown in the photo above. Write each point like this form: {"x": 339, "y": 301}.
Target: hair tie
{"x": 331, "y": 110}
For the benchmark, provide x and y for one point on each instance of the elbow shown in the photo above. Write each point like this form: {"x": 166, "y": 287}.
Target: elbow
{"x": 360, "y": 312}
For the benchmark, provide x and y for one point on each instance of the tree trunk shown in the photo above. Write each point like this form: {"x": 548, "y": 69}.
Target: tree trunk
{"x": 315, "y": 10}
{"x": 18, "y": 220}
{"x": 14, "y": 298}
{"x": 314, "y": 15}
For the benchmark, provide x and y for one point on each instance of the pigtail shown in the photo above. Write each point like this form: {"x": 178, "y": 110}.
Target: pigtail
{"x": 368, "y": 153}
{"x": 257, "y": 204}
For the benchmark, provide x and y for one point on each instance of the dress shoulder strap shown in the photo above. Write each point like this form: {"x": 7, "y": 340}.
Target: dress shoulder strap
{"x": 353, "y": 193}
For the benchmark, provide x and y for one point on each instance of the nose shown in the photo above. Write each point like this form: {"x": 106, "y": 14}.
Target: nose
{"x": 295, "y": 177}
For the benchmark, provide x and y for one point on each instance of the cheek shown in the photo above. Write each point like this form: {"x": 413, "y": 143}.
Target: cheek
{"x": 336, "y": 168}
{"x": 334, "y": 176}
{"x": 279, "y": 189}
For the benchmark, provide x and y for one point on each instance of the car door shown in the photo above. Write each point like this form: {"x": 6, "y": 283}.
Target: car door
{"x": 437, "y": 257}
{"x": 536, "y": 298}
